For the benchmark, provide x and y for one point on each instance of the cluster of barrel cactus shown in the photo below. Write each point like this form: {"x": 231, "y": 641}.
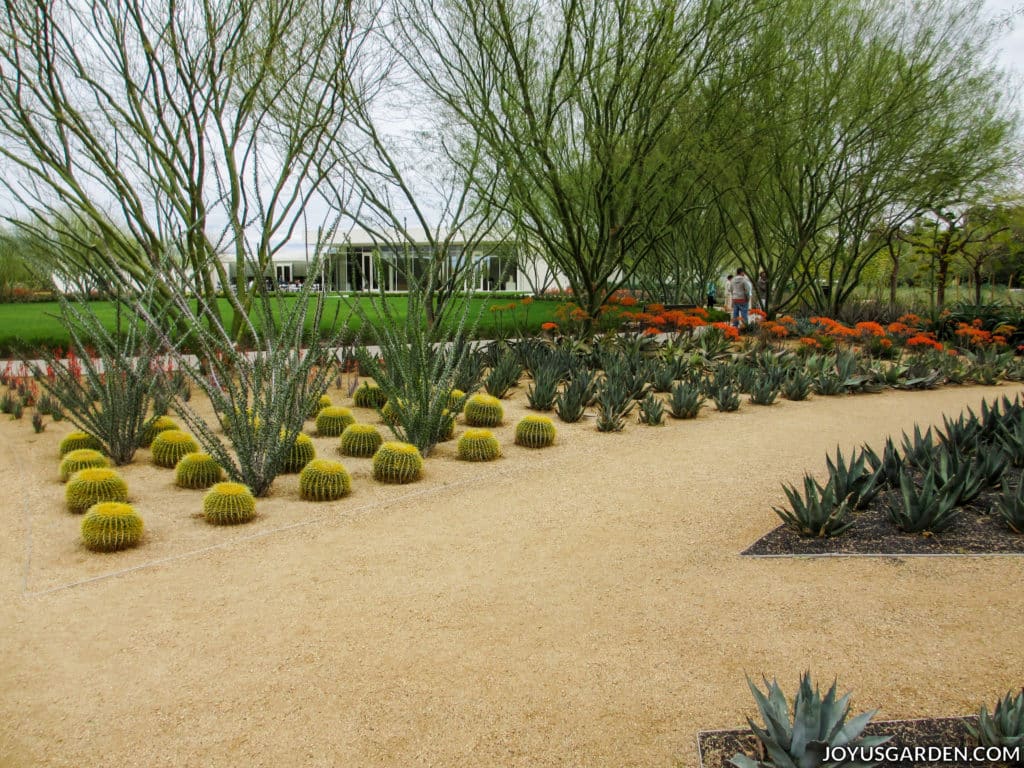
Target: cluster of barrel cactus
{"x": 82, "y": 458}
{"x": 361, "y": 440}
{"x": 92, "y": 486}
{"x": 332, "y": 420}
{"x": 396, "y": 462}
{"x": 535, "y": 431}
{"x": 110, "y": 526}
{"x": 229, "y": 504}
{"x": 197, "y": 470}
{"x": 483, "y": 411}
{"x": 478, "y": 445}
{"x": 324, "y": 480}
{"x": 170, "y": 446}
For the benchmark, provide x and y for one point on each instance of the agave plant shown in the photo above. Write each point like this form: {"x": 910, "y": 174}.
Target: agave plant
{"x": 855, "y": 481}
{"x": 928, "y": 509}
{"x": 816, "y": 725}
{"x": 726, "y": 397}
{"x": 1010, "y": 505}
{"x": 763, "y": 389}
{"x": 686, "y": 401}
{"x": 819, "y": 511}
{"x": 652, "y": 411}
{"x": 1004, "y": 727}
{"x": 888, "y": 467}
{"x": 797, "y": 385}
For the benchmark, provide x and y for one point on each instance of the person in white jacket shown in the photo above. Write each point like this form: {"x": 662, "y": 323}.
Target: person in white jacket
{"x": 740, "y": 291}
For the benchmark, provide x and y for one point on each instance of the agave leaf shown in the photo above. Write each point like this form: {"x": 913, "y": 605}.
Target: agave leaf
{"x": 742, "y": 761}
{"x": 852, "y": 729}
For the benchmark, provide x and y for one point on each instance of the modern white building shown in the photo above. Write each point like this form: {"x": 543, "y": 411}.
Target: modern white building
{"x": 359, "y": 262}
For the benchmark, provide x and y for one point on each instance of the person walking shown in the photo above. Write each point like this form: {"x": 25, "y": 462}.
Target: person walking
{"x": 712, "y": 293}
{"x": 740, "y": 291}
{"x": 728, "y": 294}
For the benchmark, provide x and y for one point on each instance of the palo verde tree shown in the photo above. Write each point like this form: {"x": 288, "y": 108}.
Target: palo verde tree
{"x": 167, "y": 134}
{"x": 860, "y": 116}
{"x": 571, "y": 102}
{"x": 419, "y": 198}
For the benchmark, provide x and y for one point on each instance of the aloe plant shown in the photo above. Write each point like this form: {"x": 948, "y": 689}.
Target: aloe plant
{"x": 1004, "y": 727}
{"x": 818, "y": 512}
{"x": 816, "y": 724}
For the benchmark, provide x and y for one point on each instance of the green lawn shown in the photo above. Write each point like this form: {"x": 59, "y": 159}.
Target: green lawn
{"x": 27, "y": 326}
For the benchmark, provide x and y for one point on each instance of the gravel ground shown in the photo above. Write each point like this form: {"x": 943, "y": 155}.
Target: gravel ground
{"x": 583, "y": 605}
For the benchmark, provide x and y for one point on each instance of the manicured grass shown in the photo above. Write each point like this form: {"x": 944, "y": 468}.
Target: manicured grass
{"x": 24, "y": 327}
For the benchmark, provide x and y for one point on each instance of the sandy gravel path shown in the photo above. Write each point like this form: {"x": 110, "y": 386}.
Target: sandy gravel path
{"x": 579, "y": 606}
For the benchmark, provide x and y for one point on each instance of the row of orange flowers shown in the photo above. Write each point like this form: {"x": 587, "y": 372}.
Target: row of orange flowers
{"x": 909, "y": 330}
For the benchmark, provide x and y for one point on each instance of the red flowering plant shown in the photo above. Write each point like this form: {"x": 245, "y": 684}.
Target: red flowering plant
{"x": 680, "y": 324}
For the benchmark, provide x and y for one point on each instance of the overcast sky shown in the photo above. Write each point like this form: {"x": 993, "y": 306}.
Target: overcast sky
{"x": 1012, "y": 46}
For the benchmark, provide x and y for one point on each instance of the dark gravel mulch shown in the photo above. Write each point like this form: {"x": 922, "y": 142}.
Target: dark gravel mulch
{"x": 978, "y": 530}
{"x": 716, "y": 747}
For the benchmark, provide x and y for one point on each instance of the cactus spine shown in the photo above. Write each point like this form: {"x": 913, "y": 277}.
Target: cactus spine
{"x": 396, "y": 462}
{"x": 229, "y": 504}
{"x": 535, "y": 432}
{"x": 323, "y": 480}
{"x": 76, "y": 441}
{"x": 331, "y": 421}
{"x": 83, "y": 458}
{"x": 369, "y": 397}
{"x": 92, "y": 486}
{"x": 197, "y": 470}
{"x": 478, "y": 445}
{"x": 360, "y": 440}
{"x": 483, "y": 411}
{"x": 170, "y": 445}
{"x": 301, "y": 453}
{"x": 110, "y": 526}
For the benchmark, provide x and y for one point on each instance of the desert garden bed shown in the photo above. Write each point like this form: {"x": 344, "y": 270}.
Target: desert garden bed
{"x": 976, "y": 531}
{"x": 717, "y": 747}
